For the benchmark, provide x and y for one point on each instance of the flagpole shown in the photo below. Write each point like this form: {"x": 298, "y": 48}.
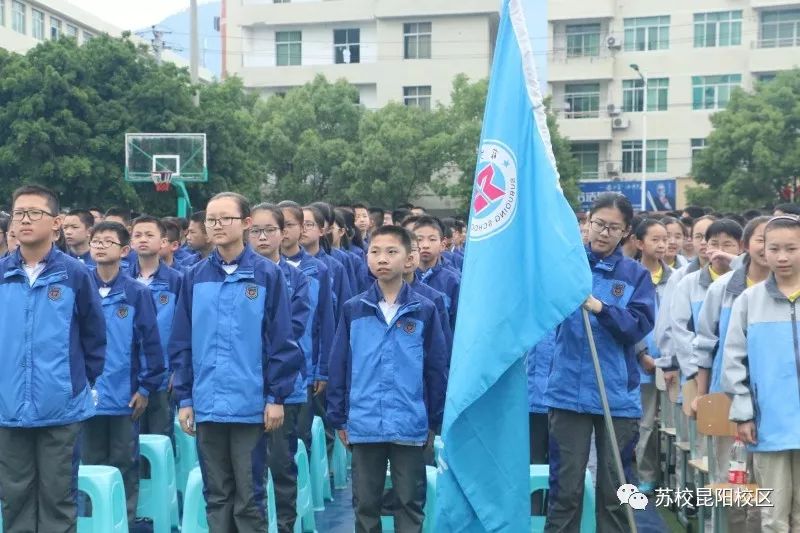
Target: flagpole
{"x": 612, "y": 435}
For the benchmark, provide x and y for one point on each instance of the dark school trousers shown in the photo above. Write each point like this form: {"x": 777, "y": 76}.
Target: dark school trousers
{"x": 39, "y": 478}
{"x": 538, "y": 434}
{"x": 408, "y": 482}
{"x": 282, "y": 448}
{"x": 233, "y": 462}
{"x": 315, "y": 406}
{"x": 114, "y": 441}
{"x": 158, "y": 418}
{"x": 570, "y": 436}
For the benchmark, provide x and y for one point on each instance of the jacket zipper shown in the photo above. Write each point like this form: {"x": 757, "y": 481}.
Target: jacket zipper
{"x": 795, "y": 341}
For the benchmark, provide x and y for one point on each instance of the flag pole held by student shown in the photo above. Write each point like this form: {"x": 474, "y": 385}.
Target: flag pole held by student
{"x": 525, "y": 271}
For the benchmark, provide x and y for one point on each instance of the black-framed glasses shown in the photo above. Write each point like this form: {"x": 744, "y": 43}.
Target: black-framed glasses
{"x": 18, "y": 215}
{"x": 309, "y": 225}
{"x": 600, "y": 227}
{"x": 222, "y": 221}
{"x": 104, "y": 245}
{"x": 265, "y": 231}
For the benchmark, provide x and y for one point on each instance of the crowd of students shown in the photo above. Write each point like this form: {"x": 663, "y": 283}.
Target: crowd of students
{"x": 247, "y": 321}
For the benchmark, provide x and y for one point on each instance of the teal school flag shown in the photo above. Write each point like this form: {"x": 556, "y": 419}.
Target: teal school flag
{"x": 525, "y": 270}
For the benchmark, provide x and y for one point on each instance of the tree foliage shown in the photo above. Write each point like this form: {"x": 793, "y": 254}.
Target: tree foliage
{"x": 754, "y": 150}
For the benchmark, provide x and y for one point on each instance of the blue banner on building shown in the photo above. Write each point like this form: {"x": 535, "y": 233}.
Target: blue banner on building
{"x": 660, "y": 193}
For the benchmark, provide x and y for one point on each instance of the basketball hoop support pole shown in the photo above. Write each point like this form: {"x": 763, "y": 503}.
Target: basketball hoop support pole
{"x": 184, "y": 204}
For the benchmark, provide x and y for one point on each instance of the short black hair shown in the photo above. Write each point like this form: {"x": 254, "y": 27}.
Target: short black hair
{"x": 694, "y": 211}
{"x": 123, "y": 236}
{"x": 751, "y": 214}
{"x": 121, "y": 212}
{"x": 84, "y": 215}
{"x": 782, "y": 222}
{"x": 410, "y": 219}
{"x": 242, "y": 203}
{"x": 397, "y": 232}
{"x": 788, "y": 208}
{"x": 726, "y": 226}
{"x": 751, "y": 227}
{"x": 172, "y": 230}
{"x": 327, "y": 211}
{"x": 737, "y": 217}
{"x": 295, "y": 209}
{"x": 272, "y": 208}
{"x": 614, "y": 200}
{"x": 147, "y": 219}
{"x": 712, "y": 218}
{"x": 359, "y": 205}
{"x": 199, "y": 217}
{"x": 94, "y": 208}
{"x": 40, "y": 191}
{"x": 5, "y": 221}
{"x": 432, "y": 222}
{"x": 399, "y": 214}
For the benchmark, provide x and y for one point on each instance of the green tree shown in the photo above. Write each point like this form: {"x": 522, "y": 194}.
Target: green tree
{"x": 754, "y": 149}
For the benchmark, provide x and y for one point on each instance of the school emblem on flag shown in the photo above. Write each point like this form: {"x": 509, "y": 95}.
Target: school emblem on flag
{"x": 163, "y": 299}
{"x": 251, "y": 292}
{"x": 494, "y": 200}
{"x": 54, "y": 293}
{"x": 122, "y": 311}
{"x": 618, "y": 290}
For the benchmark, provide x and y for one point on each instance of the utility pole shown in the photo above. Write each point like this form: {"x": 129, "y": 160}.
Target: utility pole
{"x": 158, "y": 43}
{"x": 643, "y": 77}
{"x": 195, "y": 52}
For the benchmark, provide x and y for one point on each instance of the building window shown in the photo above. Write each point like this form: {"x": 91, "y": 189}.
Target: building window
{"x": 55, "y": 28}
{"x": 698, "y": 145}
{"x": 347, "y": 46}
{"x": 656, "y": 156}
{"x": 417, "y": 40}
{"x": 766, "y": 78}
{"x": 281, "y": 1}
{"x": 72, "y": 31}
{"x": 717, "y": 29}
{"x": 18, "y": 17}
{"x": 713, "y": 92}
{"x": 646, "y": 33}
{"x": 418, "y": 97}
{"x": 87, "y": 36}
{"x": 2, "y": 12}
{"x": 37, "y": 24}
{"x": 583, "y": 40}
{"x": 780, "y": 28}
{"x": 582, "y": 100}
{"x": 657, "y": 95}
{"x": 588, "y": 156}
{"x": 288, "y": 48}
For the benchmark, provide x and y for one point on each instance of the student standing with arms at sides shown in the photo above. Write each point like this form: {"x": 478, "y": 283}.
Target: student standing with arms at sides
{"x": 265, "y": 238}
{"x": 234, "y": 364}
{"x": 173, "y": 238}
{"x": 198, "y": 240}
{"x": 164, "y": 283}
{"x": 410, "y": 277}
{"x": 538, "y": 362}
{"x": 362, "y": 221}
{"x": 389, "y": 345}
{"x": 52, "y": 354}
{"x": 675, "y": 238}
{"x": 431, "y": 270}
{"x": 343, "y": 257}
{"x": 76, "y": 227}
{"x": 134, "y": 368}
{"x": 622, "y": 309}
{"x": 651, "y": 238}
{"x": 761, "y": 371}
{"x": 340, "y": 240}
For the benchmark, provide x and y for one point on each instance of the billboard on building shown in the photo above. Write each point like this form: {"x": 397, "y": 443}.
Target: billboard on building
{"x": 660, "y": 193}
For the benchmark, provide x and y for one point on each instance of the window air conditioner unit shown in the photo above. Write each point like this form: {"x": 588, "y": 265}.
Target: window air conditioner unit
{"x": 612, "y": 169}
{"x": 614, "y": 42}
{"x": 613, "y": 110}
{"x": 620, "y": 123}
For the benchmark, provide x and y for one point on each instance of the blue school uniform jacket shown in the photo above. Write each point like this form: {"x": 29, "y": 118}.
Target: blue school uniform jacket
{"x": 134, "y": 357}
{"x": 53, "y": 338}
{"x": 447, "y": 282}
{"x": 444, "y": 318}
{"x": 387, "y": 381}
{"x": 183, "y": 254}
{"x": 362, "y": 272}
{"x": 628, "y": 295}
{"x": 339, "y": 282}
{"x": 297, "y": 286}
{"x": 164, "y": 288}
{"x": 538, "y": 363}
{"x": 231, "y": 345}
{"x": 318, "y": 336}
{"x": 454, "y": 260}
{"x": 348, "y": 262}
{"x": 86, "y": 259}
{"x": 761, "y": 368}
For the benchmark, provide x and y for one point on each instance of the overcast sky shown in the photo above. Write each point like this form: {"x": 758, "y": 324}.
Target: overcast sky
{"x": 133, "y": 15}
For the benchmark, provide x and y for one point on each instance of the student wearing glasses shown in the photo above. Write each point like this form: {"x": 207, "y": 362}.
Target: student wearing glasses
{"x": 52, "y": 354}
{"x": 622, "y": 312}
{"x": 235, "y": 363}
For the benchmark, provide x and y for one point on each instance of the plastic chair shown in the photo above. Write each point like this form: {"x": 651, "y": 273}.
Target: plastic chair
{"x": 185, "y": 458}
{"x": 194, "y": 505}
{"x": 103, "y": 485}
{"x": 339, "y": 465}
{"x": 272, "y": 512}
{"x": 305, "y": 505}
{"x": 158, "y": 495}
{"x": 320, "y": 471}
{"x": 539, "y": 480}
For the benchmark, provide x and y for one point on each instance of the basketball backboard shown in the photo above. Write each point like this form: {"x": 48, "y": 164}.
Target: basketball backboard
{"x": 183, "y": 154}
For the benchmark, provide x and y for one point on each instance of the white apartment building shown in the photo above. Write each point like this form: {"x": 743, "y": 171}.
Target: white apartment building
{"x": 391, "y": 50}
{"x": 693, "y": 53}
{"x": 26, "y": 23}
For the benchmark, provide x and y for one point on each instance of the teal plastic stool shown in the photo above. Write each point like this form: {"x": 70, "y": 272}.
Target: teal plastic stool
{"x": 320, "y": 471}
{"x": 305, "y": 504}
{"x": 194, "y": 505}
{"x": 540, "y": 475}
{"x": 431, "y": 475}
{"x": 339, "y": 465}
{"x": 158, "y": 495}
{"x": 272, "y": 513}
{"x": 103, "y": 485}
{"x": 185, "y": 457}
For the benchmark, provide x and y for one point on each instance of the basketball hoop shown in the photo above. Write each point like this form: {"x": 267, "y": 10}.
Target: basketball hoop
{"x": 162, "y": 180}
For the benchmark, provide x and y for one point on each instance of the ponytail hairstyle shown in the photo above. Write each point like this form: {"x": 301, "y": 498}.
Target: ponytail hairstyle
{"x": 353, "y": 236}
{"x": 339, "y": 219}
{"x": 750, "y": 228}
{"x": 319, "y": 218}
{"x": 272, "y": 208}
